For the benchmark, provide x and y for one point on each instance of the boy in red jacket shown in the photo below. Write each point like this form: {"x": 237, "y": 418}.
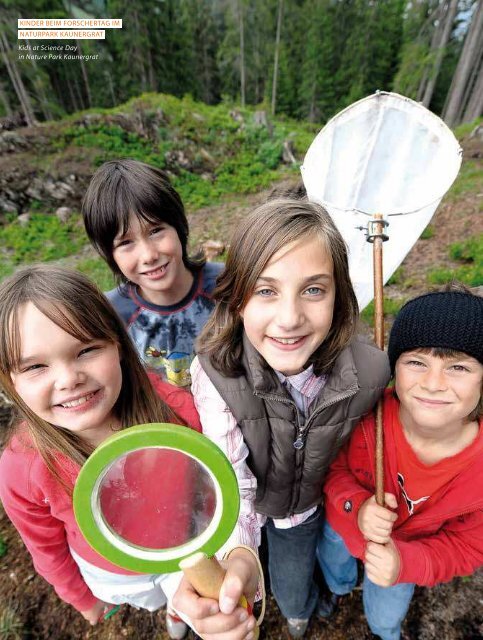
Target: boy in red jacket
{"x": 431, "y": 528}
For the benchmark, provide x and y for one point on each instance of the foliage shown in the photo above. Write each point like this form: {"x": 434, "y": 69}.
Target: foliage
{"x": 464, "y": 130}
{"x": 397, "y": 277}
{"x": 225, "y": 150}
{"x": 470, "y": 273}
{"x": 391, "y": 308}
{"x": 469, "y": 179}
{"x": 3, "y": 547}
{"x": 428, "y": 232}
{"x": 98, "y": 271}
{"x": 331, "y": 53}
{"x": 44, "y": 238}
{"x": 11, "y": 627}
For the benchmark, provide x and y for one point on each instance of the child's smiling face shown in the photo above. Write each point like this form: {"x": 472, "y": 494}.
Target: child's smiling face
{"x": 289, "y": 314}
{"x": 64, "y": 381}
{"x": 151, "y": 256}
{"x": 437, "y": 394}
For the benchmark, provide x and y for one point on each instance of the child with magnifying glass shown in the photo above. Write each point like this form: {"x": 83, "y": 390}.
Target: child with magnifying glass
{"x": 73, "y": 376}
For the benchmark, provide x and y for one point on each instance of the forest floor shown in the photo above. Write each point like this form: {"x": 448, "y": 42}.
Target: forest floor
{"x": 29, "y": 607}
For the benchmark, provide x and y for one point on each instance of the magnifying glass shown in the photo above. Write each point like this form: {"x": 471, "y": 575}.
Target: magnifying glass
{"x": 155, "y": 496}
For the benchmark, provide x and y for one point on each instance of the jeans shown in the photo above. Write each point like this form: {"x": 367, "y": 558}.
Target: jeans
{"x": 385, "y": 607}
{"x": 291, "y": 564}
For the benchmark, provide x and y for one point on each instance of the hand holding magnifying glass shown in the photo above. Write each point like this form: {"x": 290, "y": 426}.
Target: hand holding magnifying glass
{"x": 153, "y": 497}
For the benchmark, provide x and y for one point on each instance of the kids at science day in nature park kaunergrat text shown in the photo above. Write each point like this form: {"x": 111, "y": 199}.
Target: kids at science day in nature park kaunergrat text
{"x": 136, "y": 221}
{"x": 431, "y": 528}
{"x": 74, "y": 377}
{"x": 281, "y": 380}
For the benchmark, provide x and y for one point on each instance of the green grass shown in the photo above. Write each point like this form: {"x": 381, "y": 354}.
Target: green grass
{"x": 3, "y": 547}
{"x": 469, "y": 180}
{"x": 98, "y": 271}
{"x": 397, "y": 277}
{"x": 427, "y": 233}
{"x": 391, "y": 308}
{"x": 470, "y": 272}
{"x": 472, "y": 276}
{"x": 43, "y": 239}
{"x": 227, "y": 152}
{"x": 464, "y": 130}
{"x": 11, "y": 627}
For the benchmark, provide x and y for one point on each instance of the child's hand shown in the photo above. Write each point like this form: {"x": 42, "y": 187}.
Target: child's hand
{"x": 375, "y": 522}
{"x": 95, "y": 613}
{"x": 224, "y": 620}
{"x": 382, "y": 563}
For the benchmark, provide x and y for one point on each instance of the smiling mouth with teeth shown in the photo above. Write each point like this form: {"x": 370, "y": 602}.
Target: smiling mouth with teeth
{"x": 156, "y": 271}
{"x": 288, "y": 340}
{"x": 78, "y": 402}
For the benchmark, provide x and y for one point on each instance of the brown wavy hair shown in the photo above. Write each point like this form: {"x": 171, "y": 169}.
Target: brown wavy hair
{"x": 260, "y": 235}
{"x": 75, "y": 304}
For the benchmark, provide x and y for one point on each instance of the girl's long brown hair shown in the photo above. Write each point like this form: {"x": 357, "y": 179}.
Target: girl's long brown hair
{"x": 75, "y": 304}
{"x": 269, "y": 228}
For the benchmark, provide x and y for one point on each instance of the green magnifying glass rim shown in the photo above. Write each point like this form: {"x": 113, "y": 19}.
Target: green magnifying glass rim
{"x": 157, "y": 435}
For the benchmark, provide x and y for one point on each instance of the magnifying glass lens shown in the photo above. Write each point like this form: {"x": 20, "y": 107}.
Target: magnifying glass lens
{"x": 156, "y": 498}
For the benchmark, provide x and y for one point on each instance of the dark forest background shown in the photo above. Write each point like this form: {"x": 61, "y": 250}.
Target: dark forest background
{"x": 306, "y": 59}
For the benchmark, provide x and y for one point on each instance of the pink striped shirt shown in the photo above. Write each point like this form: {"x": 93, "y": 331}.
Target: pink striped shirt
{"x": 220, "y": 426}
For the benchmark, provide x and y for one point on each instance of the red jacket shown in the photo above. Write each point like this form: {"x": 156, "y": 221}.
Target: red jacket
{"x": 443, "y": 540}
{"x": 42, "y": 512}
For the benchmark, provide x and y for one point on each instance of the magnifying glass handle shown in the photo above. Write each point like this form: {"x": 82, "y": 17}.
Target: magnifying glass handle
{"x": 207, "y": 575}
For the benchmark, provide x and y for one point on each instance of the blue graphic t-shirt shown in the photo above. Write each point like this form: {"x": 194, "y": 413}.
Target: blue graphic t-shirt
{"x": 164, "y": 336}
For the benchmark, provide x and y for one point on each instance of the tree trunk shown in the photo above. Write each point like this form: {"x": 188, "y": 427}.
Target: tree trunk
{"x": 437, "y": 14}
{"x": 469, "y": 56}
{"x": 42, "y": 97}
{"x": 17, "y": 82}
{"x": 138, "y": 52}
{"x": 474, "y": 106}
{"x": 242, "y": 51}
{"x": 277, "y": 53}
{"x": 447, "y": 24}
{"x": 84, "y": 75}
{"x": 5, "y": 101}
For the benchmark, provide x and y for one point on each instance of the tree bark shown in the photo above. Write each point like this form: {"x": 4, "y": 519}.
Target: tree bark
{"x": 41, "y": 95}
{"x": 138, "y": 52}
{"x": 242, "y": 51}
{"x": 5, "y": 101}
{"x": 469, "y": 55}
{"x": 474, "y": 106}
{"x": 277, "y": 53}
{"x": 447, "y": 24}
{"x": 17, "y": 82}
{"x": 84, "y": 75}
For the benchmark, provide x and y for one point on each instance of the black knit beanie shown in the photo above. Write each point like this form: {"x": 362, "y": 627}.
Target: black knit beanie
{"x": 447, "y": 319}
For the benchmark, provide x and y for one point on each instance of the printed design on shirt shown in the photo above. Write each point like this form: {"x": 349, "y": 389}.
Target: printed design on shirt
{"x": 176, "y": 365}
{"x": 409, "y": 502}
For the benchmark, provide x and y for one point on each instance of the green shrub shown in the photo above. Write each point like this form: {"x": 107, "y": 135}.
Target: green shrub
{"x": 44, "y": 238}
{"x": 397, "y": 277}
{"x": 98, "y": 271}
{"x": 471, "y": 275}
{"x": 427, "y": 233}
{"x": 391, "y": 308}
{"x": 470, "y": 252}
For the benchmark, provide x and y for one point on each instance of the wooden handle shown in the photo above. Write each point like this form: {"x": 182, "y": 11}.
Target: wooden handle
{"x": 207, "y": 575}
{"x": 379, "y": 340}
{"x": 379, "y": 454}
